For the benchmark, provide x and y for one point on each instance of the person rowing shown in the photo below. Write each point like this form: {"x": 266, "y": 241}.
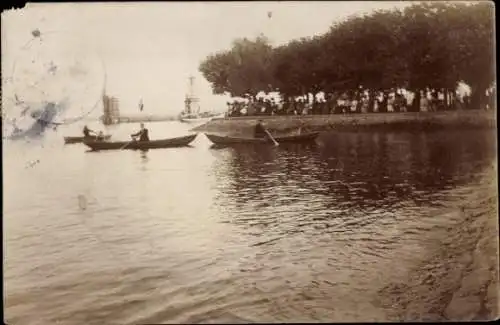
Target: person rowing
{"x": 143, "y": 134}
{"x": 261, "y": 132}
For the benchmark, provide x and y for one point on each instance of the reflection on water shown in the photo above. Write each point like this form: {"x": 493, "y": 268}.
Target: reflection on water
{"x": 249, "y": 234}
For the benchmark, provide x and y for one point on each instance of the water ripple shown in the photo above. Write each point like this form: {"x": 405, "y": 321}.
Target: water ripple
{"x": 286, "y": 234}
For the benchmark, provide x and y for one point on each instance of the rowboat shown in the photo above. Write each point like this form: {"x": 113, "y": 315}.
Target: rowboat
{"x": 141, "y": 145}
{"x": 70, "y": 140}
{"x": 228, "y": 140}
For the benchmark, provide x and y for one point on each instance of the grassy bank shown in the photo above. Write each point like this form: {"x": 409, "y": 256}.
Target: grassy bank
{"x": 355, "y": 122}
{"x": 458, "y": 280}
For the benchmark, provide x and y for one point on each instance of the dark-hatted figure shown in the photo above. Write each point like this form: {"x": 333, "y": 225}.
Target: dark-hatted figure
{"x": 143, "y": 134}
{"x": 87, "y": 131}
{"x": 260, "y": 131}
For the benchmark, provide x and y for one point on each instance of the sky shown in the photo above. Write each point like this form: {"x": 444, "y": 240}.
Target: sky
{"x": 146, "y": 50}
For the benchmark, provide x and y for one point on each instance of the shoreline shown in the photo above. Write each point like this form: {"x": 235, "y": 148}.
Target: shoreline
{"x": 459, "y": 279}
{"x": 471, "y": 119}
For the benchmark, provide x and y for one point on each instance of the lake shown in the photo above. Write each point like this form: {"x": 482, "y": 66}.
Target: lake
{"x": 251, "y": 234}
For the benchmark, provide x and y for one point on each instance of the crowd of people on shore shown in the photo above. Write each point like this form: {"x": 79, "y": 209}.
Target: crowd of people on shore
{"x": 344, "y": 103}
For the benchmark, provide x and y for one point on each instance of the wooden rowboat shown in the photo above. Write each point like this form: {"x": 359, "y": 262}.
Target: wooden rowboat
{"x": 229, "y": 140}
{"x": 141, "y": 145}
{"x": 71, "y": 140}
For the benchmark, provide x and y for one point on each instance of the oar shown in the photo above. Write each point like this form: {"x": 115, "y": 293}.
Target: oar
{"x": 271, "y": 137}
{"x": 126, "y": 144}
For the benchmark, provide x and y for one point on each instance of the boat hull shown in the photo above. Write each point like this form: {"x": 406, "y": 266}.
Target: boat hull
{"x": 71, "y": 140}
{"x": 141, "y": 145}
{"x": 227, "y": 140}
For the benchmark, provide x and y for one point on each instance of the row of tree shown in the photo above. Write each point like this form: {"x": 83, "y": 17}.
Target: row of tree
{"x": 423, "y": 46}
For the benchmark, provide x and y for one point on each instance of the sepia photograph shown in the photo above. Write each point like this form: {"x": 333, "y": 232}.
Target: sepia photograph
{"x": 249, "y": 162}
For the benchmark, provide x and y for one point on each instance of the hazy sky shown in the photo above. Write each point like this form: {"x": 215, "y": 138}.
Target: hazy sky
{"x": 150, "y": 49}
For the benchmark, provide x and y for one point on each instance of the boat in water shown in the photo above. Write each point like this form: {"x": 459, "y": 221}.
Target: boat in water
{"x": 72, "y": 140}
{"x": 140, "y": 145}
{"x": 235, "y": 140}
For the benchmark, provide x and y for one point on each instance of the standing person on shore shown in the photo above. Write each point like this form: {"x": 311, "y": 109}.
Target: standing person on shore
{"x": 390, "y": 103}
{"x": 424, "y": 102}
{"x": 244, "y": 111}
{"x": 229, "y": 108}
{"x": 251, "y": 110}
{"x": 399, "y": 102}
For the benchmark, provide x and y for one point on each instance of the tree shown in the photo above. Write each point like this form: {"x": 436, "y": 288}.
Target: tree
{"x": 217, "y": 69}
{"x": 475, "y": 51}
{"x": 427, "y": 45}
{"x": 245, "y": 69}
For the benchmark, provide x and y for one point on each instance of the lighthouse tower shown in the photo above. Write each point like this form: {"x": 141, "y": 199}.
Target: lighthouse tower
{"x": 192, "y": 102}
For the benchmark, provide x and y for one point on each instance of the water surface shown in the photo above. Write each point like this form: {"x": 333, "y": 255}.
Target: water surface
{"x": 250, "y": 234}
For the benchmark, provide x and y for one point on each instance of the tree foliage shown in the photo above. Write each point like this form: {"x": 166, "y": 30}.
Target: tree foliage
{"x": 430, "y": 45}
{"x": 245, "y": 69}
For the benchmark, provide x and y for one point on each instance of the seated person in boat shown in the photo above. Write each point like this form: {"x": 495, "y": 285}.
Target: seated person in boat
{"x": 143, "y": 134}
{"x": 100, "y": 136}
{"x": 260, "y": 131}
{"x": 87, "y": 131}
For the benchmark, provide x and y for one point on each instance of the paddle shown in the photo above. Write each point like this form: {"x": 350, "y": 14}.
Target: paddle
{"x": 126, "y": 144}
{"x": 271, "y": 137}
